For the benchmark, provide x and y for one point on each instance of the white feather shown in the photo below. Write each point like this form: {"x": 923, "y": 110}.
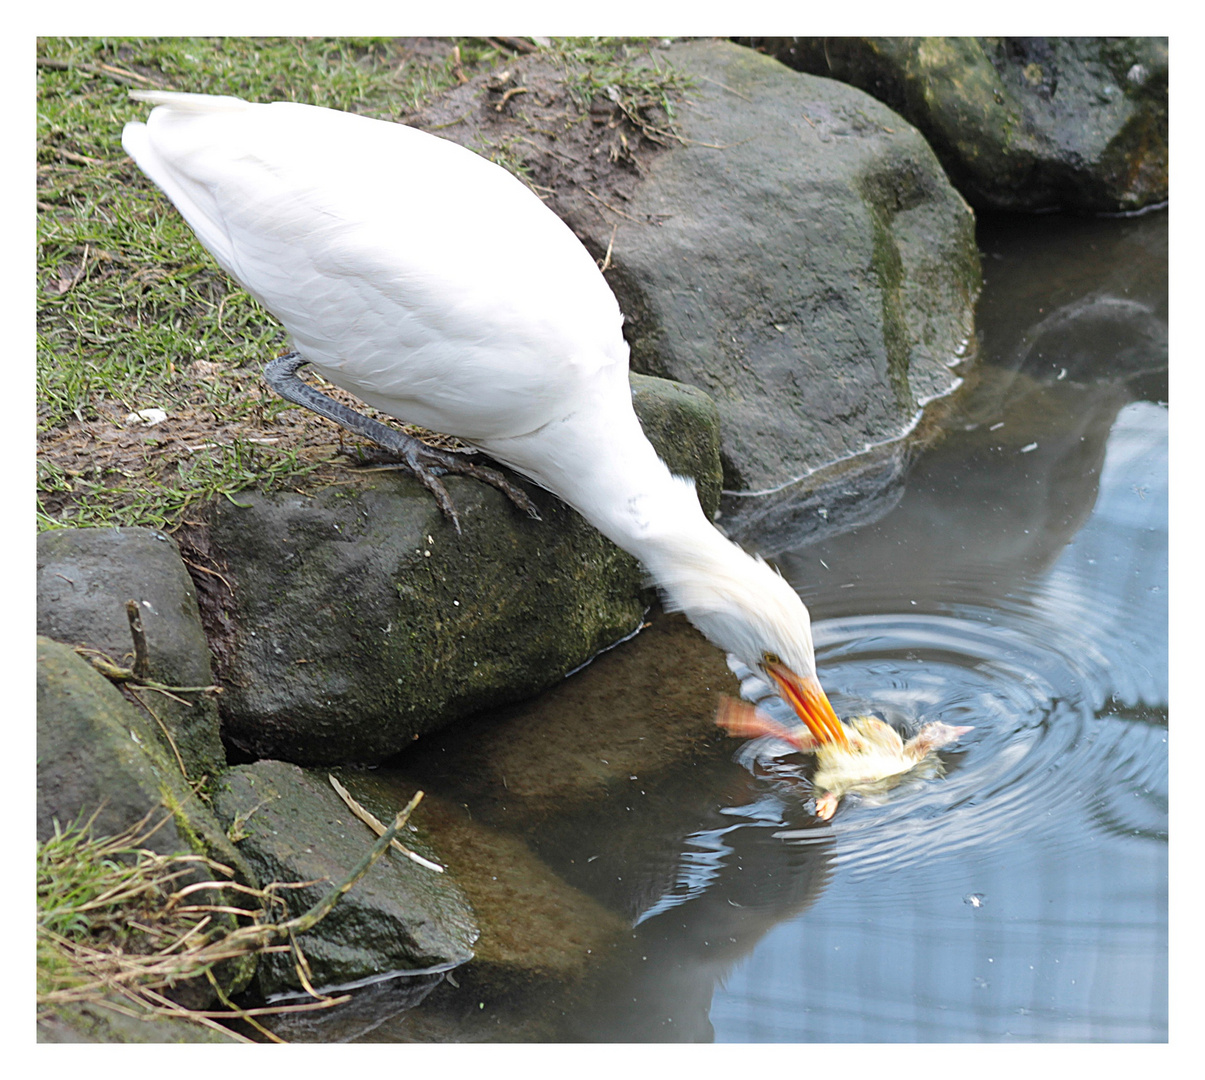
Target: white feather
{"x": 439, "y": 289}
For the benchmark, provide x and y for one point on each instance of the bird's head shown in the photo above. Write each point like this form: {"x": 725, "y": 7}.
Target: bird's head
{"x": 748, "y": 609}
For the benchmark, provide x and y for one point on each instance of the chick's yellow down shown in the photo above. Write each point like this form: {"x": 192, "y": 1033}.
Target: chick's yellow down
{"x": 870, "y": 759}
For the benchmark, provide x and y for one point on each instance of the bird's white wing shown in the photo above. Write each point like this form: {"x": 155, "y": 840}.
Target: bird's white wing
{"x": 408, "y": 269}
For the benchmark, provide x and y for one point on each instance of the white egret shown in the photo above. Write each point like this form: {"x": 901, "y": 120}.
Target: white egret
{"x": 376, "y": 245}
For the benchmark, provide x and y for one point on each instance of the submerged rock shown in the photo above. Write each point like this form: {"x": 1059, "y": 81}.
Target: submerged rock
{"x": 609, "y": 770}
{"x": 1019, "y": 123}
{"x": 365, "y": 620}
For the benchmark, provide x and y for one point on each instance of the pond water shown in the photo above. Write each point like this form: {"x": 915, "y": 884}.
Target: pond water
{"x": 1019, "y": 585}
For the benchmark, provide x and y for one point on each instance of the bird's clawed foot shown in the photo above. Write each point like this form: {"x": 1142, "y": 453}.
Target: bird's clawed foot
{"x": 426, "y": 462}
{"x": 429, "y": 463}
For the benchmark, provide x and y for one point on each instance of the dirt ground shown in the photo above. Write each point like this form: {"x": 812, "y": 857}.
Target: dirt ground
{"x": 582, "y": 152}
{"x": 584, "y": 161}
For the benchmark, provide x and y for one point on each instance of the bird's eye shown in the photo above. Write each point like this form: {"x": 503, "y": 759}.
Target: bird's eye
{"x": 770, "y": 658}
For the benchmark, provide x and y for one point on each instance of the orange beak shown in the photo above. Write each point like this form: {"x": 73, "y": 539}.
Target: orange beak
{"x": 808, "y": 699}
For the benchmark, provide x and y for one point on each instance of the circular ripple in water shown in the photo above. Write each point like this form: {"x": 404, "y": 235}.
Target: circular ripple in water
{"x": 1048, "y": 746}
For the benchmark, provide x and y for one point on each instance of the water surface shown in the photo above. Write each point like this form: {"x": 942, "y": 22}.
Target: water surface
{"x": 1019, "y": 585}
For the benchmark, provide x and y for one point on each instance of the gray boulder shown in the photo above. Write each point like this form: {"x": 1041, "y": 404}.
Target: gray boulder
{"x": 96, "y": 750}
{"x": 802, "y": 258}
{"x": 293, "y": 827}
{"x": 84, "y": 579}
{"x": 1019, "y": 123}
{"x": 363, "y": 619}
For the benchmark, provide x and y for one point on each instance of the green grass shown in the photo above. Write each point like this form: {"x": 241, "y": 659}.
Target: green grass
{"x": 119, "y": 925}
{"x": 616, "y": 70}
{"x": 111, "y": 914}
{"x": 128, "y": 300}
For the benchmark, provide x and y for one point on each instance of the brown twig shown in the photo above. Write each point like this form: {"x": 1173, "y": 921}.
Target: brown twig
{"x": 608, "y": 205}
{"x": 108, "y": 973}
{"x": 104, "y": 71}
{"x": 514, "y": 44}
{"x": 375, "y": 825}
{"x": 115, "y": 673}
{"x": 163, "y": 727}
{"x": 605, "y": 265}
{"x": 722, "y": 86}
{"x": 206, "y": 570}
{"x": 457, "y": 66}
{"x": 142, "y": 663}
{"x": 508, "y": 95}
{"x": 65, "y": 285}
{"x": 320, "y": 910}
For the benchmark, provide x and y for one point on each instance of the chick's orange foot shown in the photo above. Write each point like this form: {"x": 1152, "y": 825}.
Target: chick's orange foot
{"x": 869, "y": 760}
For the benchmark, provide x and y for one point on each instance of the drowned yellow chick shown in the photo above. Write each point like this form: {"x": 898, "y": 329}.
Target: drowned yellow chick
{"x": 863, "y": 755}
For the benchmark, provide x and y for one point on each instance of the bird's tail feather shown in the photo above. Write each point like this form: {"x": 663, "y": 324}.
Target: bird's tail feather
{"x": 204, "y": 103}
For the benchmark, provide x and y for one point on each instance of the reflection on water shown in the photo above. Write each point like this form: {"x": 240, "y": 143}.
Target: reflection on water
{"x": 1054, "y": 816}
{"x": 1019, "y": 585}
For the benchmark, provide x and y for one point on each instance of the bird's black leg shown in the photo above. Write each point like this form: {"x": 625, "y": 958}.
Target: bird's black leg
{"x": 426, "y": 462}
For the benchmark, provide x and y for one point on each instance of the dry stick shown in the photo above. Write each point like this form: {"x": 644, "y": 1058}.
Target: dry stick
{"x": 375, "y": 825}
{"x": 119, "y": 674}
{"x": 271, "y": 1036}
{"x": 723, "y": 86}
{"x": 508, "y": 95}
{"x": 162, "y": 727}
{"x": 193, "y": 945}
{"x": 129, "y": 78}
{"x": 267, "y": 1010}
{"x": 206, "y": 570}
{"x": 319, "y": 911}
{"x": 78, "y": 276}
{"x": 457, "y": 66}
{"x": 608, "y": 205}
{"x": 514, "y": 44}
{"x": 309, "y": 919}
{"x": 605, "y": 265}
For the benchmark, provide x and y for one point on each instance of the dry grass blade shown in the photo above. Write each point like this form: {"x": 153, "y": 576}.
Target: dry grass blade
{"x": 375, "y": 825}
{"x": 115, "y": 931}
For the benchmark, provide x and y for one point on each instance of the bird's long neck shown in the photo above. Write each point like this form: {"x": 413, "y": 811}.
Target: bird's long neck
{"x": 611, "y": 474}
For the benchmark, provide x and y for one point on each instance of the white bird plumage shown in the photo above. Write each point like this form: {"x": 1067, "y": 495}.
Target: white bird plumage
{"x": 376, "y": 246}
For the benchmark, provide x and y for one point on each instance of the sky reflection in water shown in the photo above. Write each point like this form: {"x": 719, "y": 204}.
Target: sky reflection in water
{"x": 1020, "y": 585}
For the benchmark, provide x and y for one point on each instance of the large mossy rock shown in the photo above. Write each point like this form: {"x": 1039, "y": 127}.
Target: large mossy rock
{"x": 84, "y": 579}
{"x": 98, "y": 752}
{"x": 293, "y": 827}
{"x": 799, "y": 255}
{"x": 1019, "y": 123}
{"x": 99, "y": 760}
{"x": 364, "y": 620}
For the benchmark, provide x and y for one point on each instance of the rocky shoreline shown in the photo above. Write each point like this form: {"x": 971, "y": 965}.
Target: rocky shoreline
{"x": 799, "y": 278}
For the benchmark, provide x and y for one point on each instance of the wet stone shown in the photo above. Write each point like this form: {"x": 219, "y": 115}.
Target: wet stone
{"x": 84, "y": 579}
{"x": 291, "y": 826}
{"x": 364, "y": 620}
